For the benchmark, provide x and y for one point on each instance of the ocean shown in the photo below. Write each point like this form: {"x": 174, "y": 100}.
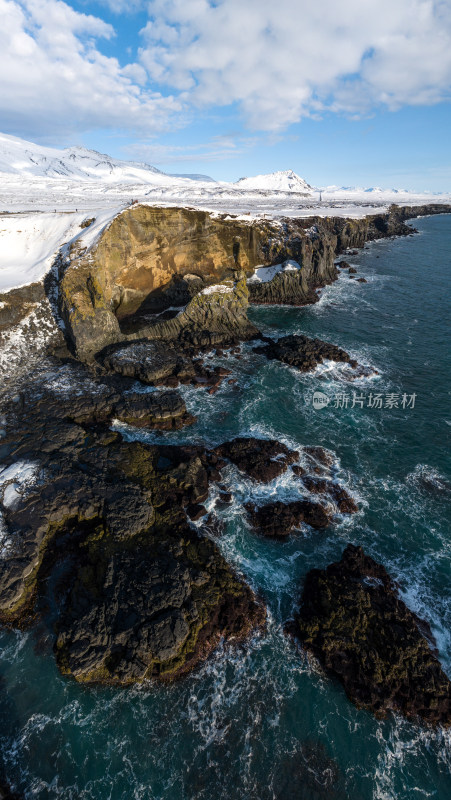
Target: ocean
{"x": 262, "y": 721}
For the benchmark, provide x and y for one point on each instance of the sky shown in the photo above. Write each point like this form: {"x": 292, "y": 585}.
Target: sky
{"x": 355, "y": 92}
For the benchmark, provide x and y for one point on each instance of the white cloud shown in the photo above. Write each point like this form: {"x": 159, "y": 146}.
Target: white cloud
{"x": 283, "y": 60}
{"x": 54, "y": 79}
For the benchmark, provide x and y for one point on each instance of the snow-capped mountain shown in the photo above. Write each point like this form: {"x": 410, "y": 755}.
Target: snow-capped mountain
{"x": 19, "y": 157}
{"x": 286, "y": 181}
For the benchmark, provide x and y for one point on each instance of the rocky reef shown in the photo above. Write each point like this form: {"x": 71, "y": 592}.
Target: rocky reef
{"x": 261, "y": 459}
{"x": 99, "y": 542}
{"x": 303, "y": 352}
{"x": 353, "y": 620}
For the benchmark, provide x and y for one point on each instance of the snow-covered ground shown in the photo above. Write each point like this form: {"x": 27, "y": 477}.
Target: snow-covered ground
{"x": 29, "y": 242}
{"x": 39, "y": 186}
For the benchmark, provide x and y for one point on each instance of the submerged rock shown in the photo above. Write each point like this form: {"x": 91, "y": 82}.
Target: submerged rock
{"x": 352, "y": 619}
{"x": 302, "y": 352}
{"x": 333, "y": 491}
{"x": 277, "y": 520}
{"x": 261, "y": 459}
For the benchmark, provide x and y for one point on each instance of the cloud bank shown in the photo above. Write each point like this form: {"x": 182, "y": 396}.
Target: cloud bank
{"x": 55, "y": 79}
{"x": 277, "y": 62}
{"x": 284, "y": 60}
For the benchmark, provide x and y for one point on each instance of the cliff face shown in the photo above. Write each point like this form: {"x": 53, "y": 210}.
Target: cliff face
{"x": 151, "y": 259}
{"x": 140, "y": 255}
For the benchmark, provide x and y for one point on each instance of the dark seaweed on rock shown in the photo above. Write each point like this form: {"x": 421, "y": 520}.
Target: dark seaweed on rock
{"x": 354, "y": 622}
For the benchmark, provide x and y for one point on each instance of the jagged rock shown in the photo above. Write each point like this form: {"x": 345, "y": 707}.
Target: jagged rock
{"x": 286, "y": 288}
{"x": 318, "y": 455}
{"x": 352, "y": 271}
{"x": 18, "y": 303}
{"x": 153, "y": 611}
{"x": 302, "y": 352}
{"x": 333, "y": 491}
{"x": 195, "y": 511}
{"x": 354, "y": 622}
{"x": 361, "y": 280}
{"x": 277, "y": 520}
{"x": 149, "y": 362}
{"x": 262, "y": 459}
{"x": 140, "y": 594}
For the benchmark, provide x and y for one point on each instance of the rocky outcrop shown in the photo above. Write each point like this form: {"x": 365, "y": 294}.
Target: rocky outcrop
{"x": 146, "y": 251}
{"x": 277, "y": 520}
{"x": 261, "y": 459}
{"x": 352, "y": 619}
{"x": 161, "y": 364}
{"x": 286, "y": 288}
{"x": 98, "y": 543}
{"x": 303, "y": 352}
{"x": 331, "y": 491}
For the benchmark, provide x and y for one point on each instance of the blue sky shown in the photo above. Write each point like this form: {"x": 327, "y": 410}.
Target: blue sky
{"x": 349, "y": 93}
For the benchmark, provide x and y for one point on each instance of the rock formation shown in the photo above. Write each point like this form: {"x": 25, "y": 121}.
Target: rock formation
{"x": 99, "y": 543}
{"x": 303, "y": 352}
{"x": 353, "y": 620}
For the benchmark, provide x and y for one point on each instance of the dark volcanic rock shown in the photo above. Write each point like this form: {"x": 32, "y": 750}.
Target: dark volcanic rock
{"x": 164, "y": 410}
{"x": 149, "y": 362}
{"x": 162, "y": 364}
{"x": 302, "y": 352}
{"x": 277, "y": 520}
{"x": 286, "y": 288}
{"x": 352, "y": 271}
{"x": 261, "y": 459}
{"x": 317, "y": 455}
{"x": 353, "y": 620}
{"x": 154, "y": 610}
{"x": 139, "y": 592}
{"x": 333, "y": 491}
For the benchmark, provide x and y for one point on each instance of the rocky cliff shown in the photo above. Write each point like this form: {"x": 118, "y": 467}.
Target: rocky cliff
{"x": 152, "y": 272}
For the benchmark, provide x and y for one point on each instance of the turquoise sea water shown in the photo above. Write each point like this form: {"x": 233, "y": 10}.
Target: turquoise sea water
{"x": 262, "y": 721}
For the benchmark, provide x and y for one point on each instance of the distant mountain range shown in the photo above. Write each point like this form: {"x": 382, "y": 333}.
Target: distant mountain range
{"x": 23, "y": 159}
{"x": 19, "y": 157}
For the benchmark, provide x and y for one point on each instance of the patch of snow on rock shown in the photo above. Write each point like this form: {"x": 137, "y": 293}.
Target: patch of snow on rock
{"x": 15, "y": 479}
{"x": 265, "y": 274}
{"x": 220, "y": 288}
